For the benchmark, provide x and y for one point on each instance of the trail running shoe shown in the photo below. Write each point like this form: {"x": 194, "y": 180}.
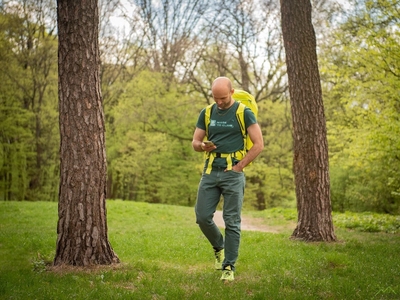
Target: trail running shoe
{"x": 219, "y": 259}
{"x": 227, "y": 274}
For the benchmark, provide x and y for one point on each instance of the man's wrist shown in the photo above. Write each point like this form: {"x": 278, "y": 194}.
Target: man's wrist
{"x": 240, "y": 165}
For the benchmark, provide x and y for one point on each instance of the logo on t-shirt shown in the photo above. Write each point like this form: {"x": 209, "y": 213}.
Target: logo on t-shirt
{"x": 215, "y": 123}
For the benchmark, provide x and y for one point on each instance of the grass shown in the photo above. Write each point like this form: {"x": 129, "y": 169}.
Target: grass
{"x": 164, "y": 256}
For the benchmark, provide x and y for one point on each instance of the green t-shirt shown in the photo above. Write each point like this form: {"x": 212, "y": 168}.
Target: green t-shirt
{"x": 224, "y": 130}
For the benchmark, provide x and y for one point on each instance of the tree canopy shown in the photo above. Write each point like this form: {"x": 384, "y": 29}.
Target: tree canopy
{"x": 156, "y": 77}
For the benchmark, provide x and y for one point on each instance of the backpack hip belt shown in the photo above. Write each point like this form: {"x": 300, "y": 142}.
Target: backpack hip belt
{"x": 212, "y": 155}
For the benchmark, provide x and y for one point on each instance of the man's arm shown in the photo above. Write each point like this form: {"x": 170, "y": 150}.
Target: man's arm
{"x": 197, "y": 142}
{"x": 254, "y": 131}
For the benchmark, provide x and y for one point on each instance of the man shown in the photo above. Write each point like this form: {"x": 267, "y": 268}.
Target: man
{"x": 225, "y": 175}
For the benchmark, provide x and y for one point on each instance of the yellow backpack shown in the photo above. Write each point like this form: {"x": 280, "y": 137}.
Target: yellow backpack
{"x": 245, "y": 99}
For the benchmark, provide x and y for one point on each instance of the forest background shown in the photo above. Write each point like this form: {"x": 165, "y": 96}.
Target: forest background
{"x": 156, "y": 72}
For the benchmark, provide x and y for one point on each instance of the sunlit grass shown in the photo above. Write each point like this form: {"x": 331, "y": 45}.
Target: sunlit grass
{"x": 164, "y": 256}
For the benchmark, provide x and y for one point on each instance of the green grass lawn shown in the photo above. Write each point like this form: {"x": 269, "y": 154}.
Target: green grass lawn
{"x": 164, "y": 256}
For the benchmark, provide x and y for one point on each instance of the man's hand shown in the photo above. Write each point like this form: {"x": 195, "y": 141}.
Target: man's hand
{"x": 236, "y": 168}
{"x": 208, "y": 147}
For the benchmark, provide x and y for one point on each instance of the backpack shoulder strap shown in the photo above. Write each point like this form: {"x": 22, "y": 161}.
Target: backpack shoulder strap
{"x": 240, "y": 118}
{"x": 207, "y": 116}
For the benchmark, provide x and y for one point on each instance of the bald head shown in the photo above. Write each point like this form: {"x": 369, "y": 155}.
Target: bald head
{"x": 221, "y": 83}
{"x": 222, "y": 92}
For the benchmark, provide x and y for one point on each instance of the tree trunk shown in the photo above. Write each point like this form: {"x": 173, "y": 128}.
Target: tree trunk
{"x": 310, "y": 164}
{"x": 82, "y": 225}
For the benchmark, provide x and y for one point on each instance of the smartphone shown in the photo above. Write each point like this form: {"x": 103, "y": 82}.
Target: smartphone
{"x": 209, "y": 143}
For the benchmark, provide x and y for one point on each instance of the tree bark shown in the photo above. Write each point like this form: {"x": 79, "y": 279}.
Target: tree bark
{"x": 82, "y": 225}
{"x": 310, "y": 163}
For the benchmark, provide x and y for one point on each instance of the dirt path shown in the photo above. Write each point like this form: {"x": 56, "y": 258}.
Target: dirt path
{"x": 250, "y": 224}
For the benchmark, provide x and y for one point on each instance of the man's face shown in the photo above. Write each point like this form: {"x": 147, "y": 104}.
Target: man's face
{"x": 223, "y": 98}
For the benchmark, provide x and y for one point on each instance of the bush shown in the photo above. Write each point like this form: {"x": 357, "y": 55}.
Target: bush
{"x": 368, "y": 222}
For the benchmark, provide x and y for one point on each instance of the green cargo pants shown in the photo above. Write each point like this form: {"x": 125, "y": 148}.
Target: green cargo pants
{"x": 230, "y": 185}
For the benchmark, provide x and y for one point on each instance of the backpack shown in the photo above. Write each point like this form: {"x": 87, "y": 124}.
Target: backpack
{"x": 246, "y": 100}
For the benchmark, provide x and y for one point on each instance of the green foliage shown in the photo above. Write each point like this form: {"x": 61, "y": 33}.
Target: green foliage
{"x": 269, "y": 179}
{"x": 149, "y": 119}
{"x": 369, "y": 222}
{"x": 15, "y": 151}
{"x": 361, "y": 74}
{"x": 149, "y": 150}
{"x": 362, "y": 222}
{"x": 150, "y": 116}
{"x": 28, "y": 98}
{"x": 165, "y": 256}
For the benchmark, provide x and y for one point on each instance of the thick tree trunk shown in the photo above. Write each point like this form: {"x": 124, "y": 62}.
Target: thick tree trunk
{"x": 82, "y": 225}
{"x": 310, "y": 164}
